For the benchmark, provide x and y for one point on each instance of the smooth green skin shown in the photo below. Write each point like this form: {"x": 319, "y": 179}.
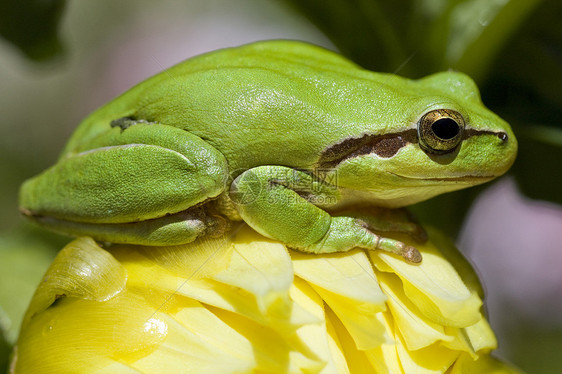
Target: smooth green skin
{"x": 239, "y": 133}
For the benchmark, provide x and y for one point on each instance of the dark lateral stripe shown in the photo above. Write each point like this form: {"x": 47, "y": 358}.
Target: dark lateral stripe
{"x": 384, "y": 146}
{"x": 473, "y": 132}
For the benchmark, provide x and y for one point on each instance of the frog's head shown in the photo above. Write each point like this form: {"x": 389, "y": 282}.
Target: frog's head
{"x": 443, "y": 140}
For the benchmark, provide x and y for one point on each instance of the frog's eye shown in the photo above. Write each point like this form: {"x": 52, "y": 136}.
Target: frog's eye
{"x": 440, "y": 131}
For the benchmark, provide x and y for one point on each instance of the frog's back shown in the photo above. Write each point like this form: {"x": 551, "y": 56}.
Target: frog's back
{"x": 245, "y": 100}
{"x": 249, "y": 56}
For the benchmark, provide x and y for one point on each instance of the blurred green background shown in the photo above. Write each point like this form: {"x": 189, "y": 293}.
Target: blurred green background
{"x": 61, "y": 60}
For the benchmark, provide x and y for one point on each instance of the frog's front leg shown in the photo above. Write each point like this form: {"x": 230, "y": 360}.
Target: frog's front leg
{"x": 279, "y": 202}
{"x": 138, "y": 182}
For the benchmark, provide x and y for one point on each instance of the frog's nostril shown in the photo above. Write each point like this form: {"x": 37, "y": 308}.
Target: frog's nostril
{"x": 503, "y": 136}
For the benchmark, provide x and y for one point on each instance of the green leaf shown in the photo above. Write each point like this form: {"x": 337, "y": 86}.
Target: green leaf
{"x": 524, "y": 88}
{"x": 31, "y": 25}
{"x": 524, "y": 84}
{"x": 417, "y": 38}
{"x": 537, "y": 169}
{"x": 25, "y": 254}
{"x": 363, "y": 30}
{"x": 5, "y": 349}
{"x": 478, "y": 31}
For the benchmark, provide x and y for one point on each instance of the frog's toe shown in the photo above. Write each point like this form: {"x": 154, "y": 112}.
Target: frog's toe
{"x": 411, "y": 255}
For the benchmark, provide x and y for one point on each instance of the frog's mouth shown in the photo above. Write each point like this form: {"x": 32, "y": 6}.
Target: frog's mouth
{"x": 469, "y": 179}
{"x": 387, "y": 146}
{"x": 466, "y": 178}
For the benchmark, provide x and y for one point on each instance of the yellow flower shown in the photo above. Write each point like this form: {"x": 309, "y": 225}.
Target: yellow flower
{"x": 249, "y": 305}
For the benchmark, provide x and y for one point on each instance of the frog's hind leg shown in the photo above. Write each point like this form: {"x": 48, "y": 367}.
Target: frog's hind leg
{"x": 387, "y": 220}
{"x": 174, "y": 229}
{"x": 134, "y": 184}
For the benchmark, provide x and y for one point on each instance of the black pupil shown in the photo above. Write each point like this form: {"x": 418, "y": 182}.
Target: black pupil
{"x": 445, "y": 128}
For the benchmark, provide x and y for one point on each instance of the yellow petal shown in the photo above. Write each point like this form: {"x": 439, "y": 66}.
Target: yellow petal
{"x": 384, "y": 359}
{"x": 316, "y": 336}
{"x": 246, "y": 304}
{"x": 273, "y": 353}
{"x": 211, "y": 257}
{"x": 261, "y": 267}
{"x": 347, "y": 282}
{"x": 357, "y": 361}
{"x": 460, "y": 341}
{"x": 417, "y": 330}
{"x": 435, "y": 359}
{"x": 198, "y": 338}
{"x": 434, "y": 286}
{"x": 259, "y": 293}
{"x": 88, "y": 334}
{"x": 336, "y": 349}
{"x": 82, "y": 269}
{"x": 462, "y": 266}
{"x": 481, "y": 336}
{"x": 484, "y": 364}
{"x": 348, "y": 274}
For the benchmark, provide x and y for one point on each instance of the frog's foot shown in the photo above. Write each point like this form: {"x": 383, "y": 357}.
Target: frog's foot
{"x": 410, "y": 254}
{"x": 346, "y": 233}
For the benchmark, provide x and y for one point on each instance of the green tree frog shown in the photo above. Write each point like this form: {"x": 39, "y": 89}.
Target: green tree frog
{"x": 300, "y": 143}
